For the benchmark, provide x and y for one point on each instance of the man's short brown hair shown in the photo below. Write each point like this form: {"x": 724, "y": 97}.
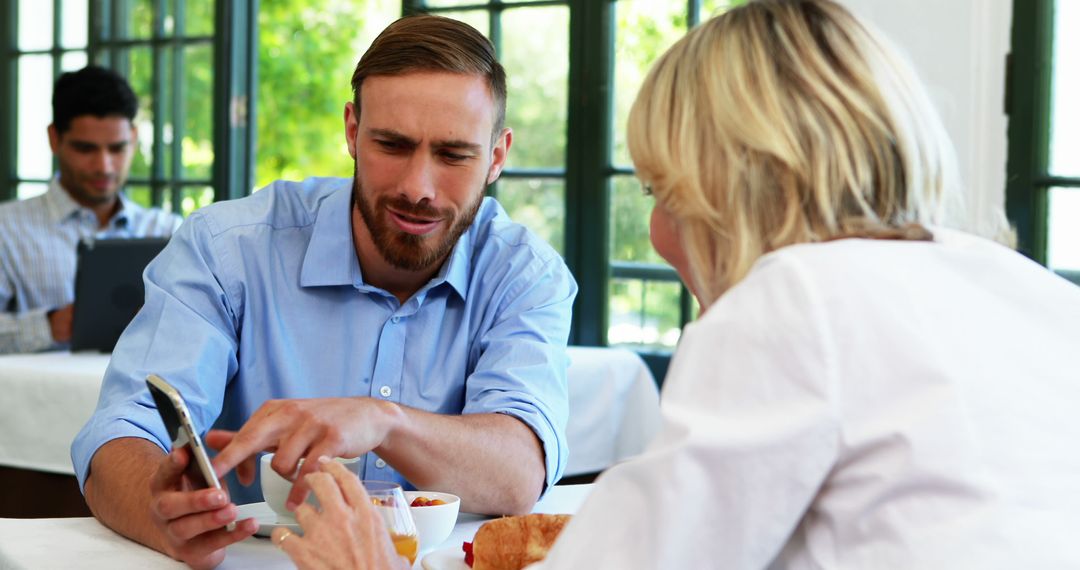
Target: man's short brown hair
{"x": 433, "y": 43}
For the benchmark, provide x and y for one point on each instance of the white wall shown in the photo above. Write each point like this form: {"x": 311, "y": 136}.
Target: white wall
{"x": 958, "y": 48}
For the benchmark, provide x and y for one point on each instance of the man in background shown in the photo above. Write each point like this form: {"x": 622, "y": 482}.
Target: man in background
{"x": 93, "y": 139}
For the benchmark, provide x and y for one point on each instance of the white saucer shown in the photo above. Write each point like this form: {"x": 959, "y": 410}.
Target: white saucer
{"x": 448, "y": 558}
{"x": 266, "y": 517}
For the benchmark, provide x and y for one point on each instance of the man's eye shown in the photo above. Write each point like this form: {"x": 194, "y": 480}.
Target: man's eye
{"x": 454, "y": 157}
{"x": 388, "y": 145}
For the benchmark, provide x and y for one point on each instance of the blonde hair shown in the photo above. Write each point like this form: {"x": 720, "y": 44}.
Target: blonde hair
{"x": 783, "y": 122}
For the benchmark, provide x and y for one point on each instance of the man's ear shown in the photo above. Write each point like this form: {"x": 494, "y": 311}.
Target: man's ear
{"x": 352, "y": 126}
{"x": 54, "y": 139}
{"x": 134, "y": 137}
{"x": 498, "y": 154}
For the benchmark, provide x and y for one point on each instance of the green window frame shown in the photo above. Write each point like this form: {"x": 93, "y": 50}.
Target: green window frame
{"x": 591, "y": 172}
{"x": 1029, "y": 104}
{"x": 12, "y": 55}
{"x": 228, "y": 43}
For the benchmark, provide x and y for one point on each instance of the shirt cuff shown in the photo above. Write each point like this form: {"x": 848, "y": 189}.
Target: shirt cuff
{"x": 35, "y": 334}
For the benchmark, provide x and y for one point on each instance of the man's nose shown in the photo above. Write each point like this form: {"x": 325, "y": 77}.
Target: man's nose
{"x": 418, "y": 179}
{"x": 104, "y": 162}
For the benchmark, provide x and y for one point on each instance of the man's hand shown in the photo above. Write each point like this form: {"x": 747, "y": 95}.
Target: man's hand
{"x": 60, "y": 323}
{"x": 193, "y": 522}
{"x": 308, "y": 429}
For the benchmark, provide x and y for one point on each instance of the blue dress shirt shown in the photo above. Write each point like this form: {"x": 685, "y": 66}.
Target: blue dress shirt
{"x": 38, "y": 237}
{"x": 262, "y": 298}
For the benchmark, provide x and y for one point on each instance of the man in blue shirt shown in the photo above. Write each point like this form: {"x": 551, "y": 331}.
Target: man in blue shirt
{"x": 93, "y": 140}
{"x": 398, "y": 314}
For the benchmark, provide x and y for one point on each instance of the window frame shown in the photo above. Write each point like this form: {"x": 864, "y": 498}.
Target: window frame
{"x": 9, "y": 13}
{"x": 1028, "y": 102}
{"x": 9, "y": 89}
{"x": 235, "y": 73}
{"x": 589, "y": 168}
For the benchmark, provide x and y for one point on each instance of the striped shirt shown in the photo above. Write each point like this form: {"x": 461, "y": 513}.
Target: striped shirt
{"x": 38, "y": 237}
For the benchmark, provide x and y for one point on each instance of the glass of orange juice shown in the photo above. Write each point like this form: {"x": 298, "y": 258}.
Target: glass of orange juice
{"x": 390, "y": 502}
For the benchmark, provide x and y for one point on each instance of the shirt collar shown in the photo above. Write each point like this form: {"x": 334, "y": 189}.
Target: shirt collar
{"x": 332, "y": 244}
{"x": 62, "y": 206}
{"x": 455, "y": 272}
{"x": 330, "y": 258}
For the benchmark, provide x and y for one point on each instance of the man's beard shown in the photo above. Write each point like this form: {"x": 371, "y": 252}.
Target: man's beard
{"x": 83, "y": 193}
{"x": 408, "y": 251}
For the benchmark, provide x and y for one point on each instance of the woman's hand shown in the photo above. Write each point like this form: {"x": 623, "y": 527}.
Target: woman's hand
{"x": 347, "y": 533}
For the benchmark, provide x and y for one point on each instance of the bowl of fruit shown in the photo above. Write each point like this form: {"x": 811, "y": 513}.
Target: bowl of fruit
{"x": 434, "y": 514}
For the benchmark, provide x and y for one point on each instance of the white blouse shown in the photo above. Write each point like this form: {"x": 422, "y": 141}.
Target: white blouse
{"x": 860, "y": 404}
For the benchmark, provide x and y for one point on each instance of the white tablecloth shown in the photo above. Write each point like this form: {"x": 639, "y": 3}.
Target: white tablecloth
{"x": 85, "y": 543}
{"x": 47, "y": 397}
{"x": 614, "y": 408}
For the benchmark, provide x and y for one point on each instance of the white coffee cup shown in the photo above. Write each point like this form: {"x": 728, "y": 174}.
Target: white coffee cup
{"x": 275, "y": 488}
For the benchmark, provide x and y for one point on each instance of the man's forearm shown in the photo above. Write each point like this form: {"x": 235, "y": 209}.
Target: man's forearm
{"x": 498, "y": 462}
{"x": 118, "y": 488}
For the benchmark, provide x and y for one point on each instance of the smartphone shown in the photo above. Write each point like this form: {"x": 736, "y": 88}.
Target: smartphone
{"x": 181, "y": 428}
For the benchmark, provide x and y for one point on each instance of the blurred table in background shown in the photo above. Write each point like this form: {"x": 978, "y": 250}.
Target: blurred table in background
{"x": 614, "y": 408}
{"x": 614, "y": 412}
{"x": 48, "y": 397}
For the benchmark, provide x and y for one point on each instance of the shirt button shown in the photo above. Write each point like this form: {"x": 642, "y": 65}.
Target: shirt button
{"x": 385, "y": 391}
{"x": 395, "y": 320}
{"x": 380, "y": 463}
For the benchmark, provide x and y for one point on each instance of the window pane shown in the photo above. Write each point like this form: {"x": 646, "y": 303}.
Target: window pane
{"x": 73, "y": 61}
{"x": 441, "y": 3}
{"x": 168, "y": 19}
{"x": 35, "y": 24}
{"x": 140, "y": 66}
{"x": 476, "y": 18}
{"x": 139, "y": 194}
{"x": 166, "y": 201}
{"x": 644, "y": 29}
{"x": 194, "y": 198}
{"x": 168, "y": 117}
{"x": 307, "y": 53}
{"x": 198, "y": 142}
{"x": 710, "y": 8}
{"x": 630, "y": 212}
{"x": 539, "y": 204}
{"x": 644, "y": 312}
{"x": 35, "y": 114}
{"x": 537, "y": 94}
{"x": 31, "y": 189}
{"x": 74, "y": 24}
{"x": 1063, "y": 239}
{"x": 1065, "y": 116}
{"x": 199, "y": 19}
{"x": 141, "y": 18}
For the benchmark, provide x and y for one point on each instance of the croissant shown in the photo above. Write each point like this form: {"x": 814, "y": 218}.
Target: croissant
{"x": 512, "y": 543}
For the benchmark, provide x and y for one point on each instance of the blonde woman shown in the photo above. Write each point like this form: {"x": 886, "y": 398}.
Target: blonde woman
{"x": 868, "y": 386}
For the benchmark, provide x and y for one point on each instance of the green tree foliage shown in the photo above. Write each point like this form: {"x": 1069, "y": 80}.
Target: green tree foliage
{"x": 306, "y": 57}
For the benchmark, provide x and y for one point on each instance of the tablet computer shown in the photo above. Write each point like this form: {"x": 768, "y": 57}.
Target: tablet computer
{"x": 108, "y": 288}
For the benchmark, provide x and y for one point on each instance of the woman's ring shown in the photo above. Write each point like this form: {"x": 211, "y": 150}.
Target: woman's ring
{"x": 284, "y": 536}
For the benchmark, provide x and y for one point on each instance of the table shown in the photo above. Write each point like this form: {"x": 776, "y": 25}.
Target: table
{"x": 47, "y": 398}
{"x": 614, "y": 407}
{"x": 85, "y": 543}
